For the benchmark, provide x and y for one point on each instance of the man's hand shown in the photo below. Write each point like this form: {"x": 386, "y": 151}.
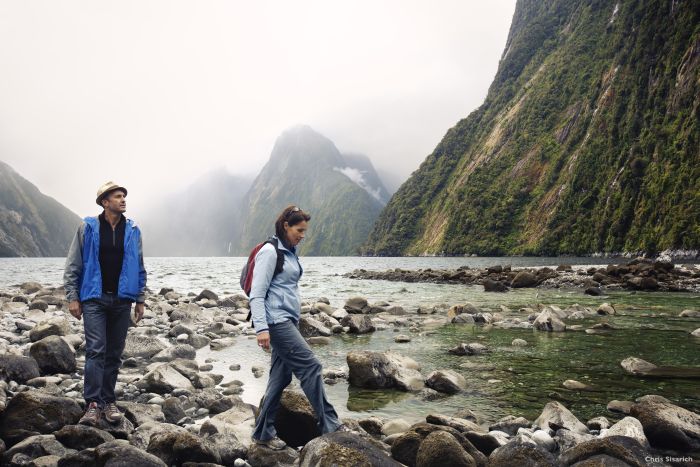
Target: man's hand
{"x": 138, "y": 311}
{"x": 264, "y": 340}
{"x": 75, "y": 310}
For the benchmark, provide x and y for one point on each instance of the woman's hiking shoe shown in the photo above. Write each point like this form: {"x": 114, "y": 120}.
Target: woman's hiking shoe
{"x": 275, "y": 443}
{"x": 92, "y": 415}
{"x": 112, "y": 413}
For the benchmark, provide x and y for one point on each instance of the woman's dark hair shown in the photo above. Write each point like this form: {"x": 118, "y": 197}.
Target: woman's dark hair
{"x": 291, "y": 215}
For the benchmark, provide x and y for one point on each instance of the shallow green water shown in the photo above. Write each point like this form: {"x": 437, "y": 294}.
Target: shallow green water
{"x": 526, "y": 378}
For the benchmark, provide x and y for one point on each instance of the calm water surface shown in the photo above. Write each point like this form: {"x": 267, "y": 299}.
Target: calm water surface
{"x": 509, "y": 380}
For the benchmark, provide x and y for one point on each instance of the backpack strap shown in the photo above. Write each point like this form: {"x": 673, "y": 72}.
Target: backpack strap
{"x": 280, "y": 255}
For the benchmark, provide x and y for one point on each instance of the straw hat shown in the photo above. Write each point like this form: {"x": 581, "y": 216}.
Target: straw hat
{"x": 106, "y": 189}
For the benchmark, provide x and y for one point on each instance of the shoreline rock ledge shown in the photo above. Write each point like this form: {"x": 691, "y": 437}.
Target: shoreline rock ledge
{"x": 638, "y": 274}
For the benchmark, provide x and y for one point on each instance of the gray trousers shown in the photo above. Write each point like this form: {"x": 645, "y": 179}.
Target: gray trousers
{"x": 292, "y": 355}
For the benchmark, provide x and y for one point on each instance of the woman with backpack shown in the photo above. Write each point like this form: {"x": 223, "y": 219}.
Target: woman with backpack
{"x": 275, "y": 306}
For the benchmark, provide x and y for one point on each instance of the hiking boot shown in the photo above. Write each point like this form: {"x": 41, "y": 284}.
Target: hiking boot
{"x": 275, "y": 443}
{"x": 92, "y": 415}
{"x": 112, "y": 413}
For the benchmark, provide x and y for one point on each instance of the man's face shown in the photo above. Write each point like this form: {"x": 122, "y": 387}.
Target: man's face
{"x": 115, "y": 202}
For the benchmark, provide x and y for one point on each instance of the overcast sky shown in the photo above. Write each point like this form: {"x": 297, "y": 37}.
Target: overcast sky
{"x": 153, "y": 94}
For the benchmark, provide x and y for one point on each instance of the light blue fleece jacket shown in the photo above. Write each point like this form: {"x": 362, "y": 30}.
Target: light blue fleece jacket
{"x": 274, "y": 300}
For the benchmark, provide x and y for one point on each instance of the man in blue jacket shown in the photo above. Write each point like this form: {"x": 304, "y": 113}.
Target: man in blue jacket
{"x": 104, "y": 275}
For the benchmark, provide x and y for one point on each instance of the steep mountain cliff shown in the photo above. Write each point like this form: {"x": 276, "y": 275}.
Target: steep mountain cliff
{"x": 204, "y": 219}
{"x": 306, "y": 169}
{"x": 31, "y": 223}
{"x": 588, "y": 141}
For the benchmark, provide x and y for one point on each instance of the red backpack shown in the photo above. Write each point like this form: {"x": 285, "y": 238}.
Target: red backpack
{"x": 248, "y": 269}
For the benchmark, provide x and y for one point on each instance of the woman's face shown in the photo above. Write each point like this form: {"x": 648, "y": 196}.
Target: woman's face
{"x": 296, "y": 232}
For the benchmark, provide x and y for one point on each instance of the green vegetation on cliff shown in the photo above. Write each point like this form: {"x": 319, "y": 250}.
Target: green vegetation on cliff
{"x": 588, "y": 141}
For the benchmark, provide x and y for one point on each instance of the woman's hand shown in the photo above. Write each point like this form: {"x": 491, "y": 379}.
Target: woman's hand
{"x": 264, "y": 340}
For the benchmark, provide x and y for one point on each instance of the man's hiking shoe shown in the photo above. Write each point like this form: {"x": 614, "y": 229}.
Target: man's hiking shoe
{"x": 275, "y": 443}
{"x": 92, "y": 415}
{"x": 112, "y": 413}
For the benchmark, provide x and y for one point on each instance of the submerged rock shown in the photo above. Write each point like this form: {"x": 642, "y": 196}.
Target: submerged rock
{"x": 447, "y": 381}
{"x": 377, "y": 370}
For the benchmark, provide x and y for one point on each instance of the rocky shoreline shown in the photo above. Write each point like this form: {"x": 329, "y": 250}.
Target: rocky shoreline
{"x": 179, "y": 412}
{"x": 638, "y": 274}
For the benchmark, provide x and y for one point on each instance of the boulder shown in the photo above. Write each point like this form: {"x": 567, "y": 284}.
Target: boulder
{"x": 177, "y": 447}
{"x": 486, "y": 442}
{"x": 447, "y": 381}
{"x": 187, "y": 312}
{"x": 206, "y": 294}
{"x": 441, "y": 448}
{"x": 460, "y": 424}
{"x": 344, "y": 449}
{"x": 34, "y": 447}
{"x": 689, "y": 314}
{"x": 184, "y": 351}
{"x": 406, "y": 446}
{"x": 53, "y": 355}
{"x": 296, "y": 421}
{"x": 222, "y": 329}
{"x": 38, "y": 304}
{"x": 639, "y": 367}
{"x": 56, "y": 413}
{"x": 219, "y": 344}
{"x": 212, "y": 400}
{"x": 522, "y": 454}
{"x": 358, "y": 324}
{"x": 469, "y": 349}
{"x": 139, "y": 414}
{"x": 141, "y": 345}
{"x": 30, "y": 287}
{"x": 548, "y": 321}
{"x": 141, "y": 436}
{"x": 173, "y": 411}
{"x": 630, "y": 427}
{"x": 606, "y": 309}
{"x": 574, "y": 385}
{"x": 222, "y": 440}
{"x": 620, "y": 406}
{"x": 377, "y": 370}
{"x": 113, "y": 454}
{"x": 491, "y": 285}
{"x": 357, "y": 305}
{"x": 612, "y": 450}
{"x": 598, "y": 423}
{"x": 557, "y": 416}
{"x": 309, "y": 327}
{"x": 52, "y": 327}
{"x": 510, "y": 424}
{"x": 260, "y": 456}
{"x": 397, "y": 425}
{"x": 81, "y": 437}
{"x": 18, "y": 368}
{"x": 164, "y": 379}
{"x": 667, "y": 425}
{"x": 524, "y": 279}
